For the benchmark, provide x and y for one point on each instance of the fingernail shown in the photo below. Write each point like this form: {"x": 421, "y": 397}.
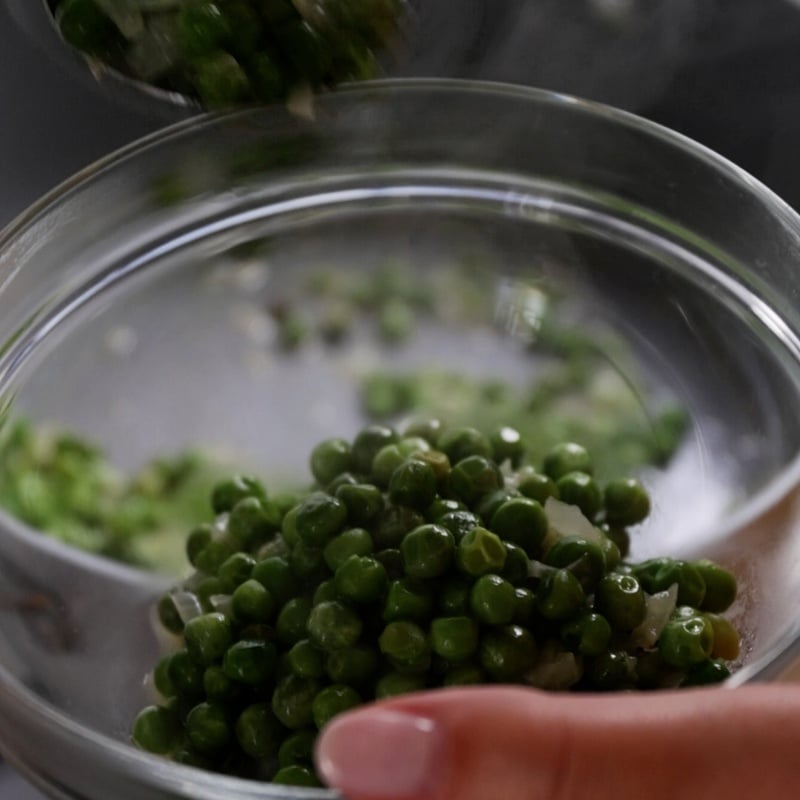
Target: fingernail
{"x": 381, "y": 754}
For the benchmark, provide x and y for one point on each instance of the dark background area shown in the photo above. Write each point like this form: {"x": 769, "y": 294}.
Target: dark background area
{"x": 723, "y": 72}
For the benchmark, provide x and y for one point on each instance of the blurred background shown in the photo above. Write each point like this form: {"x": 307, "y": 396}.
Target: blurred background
{"x": 724, "y": 72}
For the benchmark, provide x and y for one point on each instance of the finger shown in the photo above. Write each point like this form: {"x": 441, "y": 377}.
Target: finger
{"x": 520, "y": 744}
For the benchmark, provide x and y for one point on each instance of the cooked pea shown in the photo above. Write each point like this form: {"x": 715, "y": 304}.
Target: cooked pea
{"x": 250, "y": 661}
{"x": 588, "y": 634}
{"x": 459, "y": 523}
{"x": 460, "y": 443}
{"x": 252, "y": 521}
{"x": 464, "y": 675}
{"x": 227, "y": 494}
{"x": 218, "y": 686}
{"x": 413, "y": 484}
{"x": 489, "y": 503}
{"x": 392, "y": 525}
{"x": 517, "y": 565}
{"x": 454, "y": 596}
{"x": 352, "y": 542}
{"x": 657, "y": 575}
{"x": 492, "y": 600}
{"x": 276, "y": 576}
{"x": 721, "y": 587}
{"x": 620, "y": 599}
{"x": 428, "y": 429}
{"x": 472, "y": 478}
{"x": 386, "y": 461}
{"x": 507, "y": 445}
{"x": 525, "y": 607}
{"x": 560, "y": 596}
{"x": 308, "y": 563}
{"x": 213, "y": 555}
{"x": 706, "y": 673}
{"x": 332, "y": 626}
{"x": 156, "y": 729}
{"x": 408, "y": 599}
{"x": 626, "y": 502}
{"x": 438, "y": 462}
{"x": 207, "y": 637}
{"x": 292, "y": 620}
{"x": 583, "y": 558}
{"x": 196, "y": 541}
{"x": 442, "y": 506}
{"x": 333, "y": 700}
{"x": 185, "y": 674}
{"x": 403, "y": 641}
{"x": 297, "y": 748}
{"x": 566, "y": 458}
{"x": 319, "y": 518}
{"x": 620, "y": 537}
{"x": 353, "y": 666}
{"x": 396, "y": 683}
{"x": 289, "y": 527}
{"x": 329, "y": 459}
{"x": 251, "y": 602}
{"x": 292, "y": 701}
{"x": 687, "y": 641}
{"x": 367, "y": 444}
{"x": 726, "y": 638}
{"x": 234, "y": 571}
{"x": 259, "y": 732}
{"x": 208, "y": 728}
{"x": 454, "y": 638}
{"x": 611, "y": 553}
{"x": 507, "y": 653}
{"x": 612, "y": 670}
{"x": 363, "y": 501}
{"x": 536, "y": 485}
{"x": 325, "y": 592}
{"x": 361, "y": 579}
{"x": 305, "y": 660}
{"x": 521, "y": 521}
{"x": 161, "y": 679}
{"x": 580, "y": 489}
{"x": 392, "y": 560}
{"x": 168, "y": 614}
{"x": 296, "y": 775}
{"x": 480, "y": 552}
{"x": 427, "y": 551}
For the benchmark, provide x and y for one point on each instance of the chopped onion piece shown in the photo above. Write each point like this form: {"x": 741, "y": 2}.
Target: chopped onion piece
{"x": 566, "y": 520}
{"x": 187, "y": 605}
{"x": 557, "y": 670}
{"x": 222, "y": 603}
{"x": 659, "y": 609}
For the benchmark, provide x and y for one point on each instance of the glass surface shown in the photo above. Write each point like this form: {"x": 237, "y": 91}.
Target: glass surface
{"x": 634, "y": 231}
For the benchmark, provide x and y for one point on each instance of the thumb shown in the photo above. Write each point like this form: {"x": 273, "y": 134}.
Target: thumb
{"x": 521, "y": 744}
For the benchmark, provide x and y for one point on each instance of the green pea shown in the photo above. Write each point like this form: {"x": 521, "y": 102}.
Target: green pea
{"x": 611, "y": 553}
{"x": 392, "y": 525}
{"x": 353, "y": 666}
{"x": 206, "y": 589}
{"x": 298, "y": 748}
{"x": 454, "y": 638}
{"x": 250, "y": 661}
{"x": 292, "y": 701}
{"x": 691, "y": 586}
{"x": 525, "y": 607}
{"x": 721, "y": 587}
{"x": 363, "y": 501}
{"x": 392, "y": 560}
{"x": 203, "y": 28}
{"x": 620, "y": 599}
{"x": 612, "y": 670}
{"x": 427, "y": 551}
{"x": 168, "y": 614}
{"x": 161, "y": 679}
{"x": 207, "y": 637}
{"x": 305, "y": 660}
{"x": 588, "y": 634}
{"x": 185, "y": 674}
{"x": 307, "y": 562}
{"x": 565, "y": 458}
{"x": 218, "y": 686}
{"x": 259, "y": 732}
{"x": 319, "y": 518}
{"x": 454, "y": 597}
{"x": 521, "y": 521}
{"x": 85, "y": 26}
{"x": 492, "y": 600}
{"x": 706, "y": 673}
{"x": 345, "y": 479}
{"x": 726, "y": 638}
{"x": 352, "y": 542}
{"x": 213, "y": 555}
{"x": 517, "y": 565}
{"x": 289, "y": 527}
{"x": 441, "y": 506}
{"x": 227, "y": 494}
{"x": 292, "y": 620}
{"x": 325, "y": 592}
{"x": 234, "y": 571}
{"x": 626, "y": 502}
{"x": 459, "y": 523}
{"x": 156, "y": 730}
{"x": 536, "y": 485}
{"x": 397, "y": 683}
{"x": 367, "y": 444}
{"x": 361, "y": 579}
{"x": 329, "y": 459}
{"x": 620, "y": 537}
{"x": 208, "y": 728}
{"x": 333, "y": 700}
{"x": 332, "y": 626}
{"x": 403, "y": 641}
{"x": 507, "y": 445}
{"x": 276, "y": 576}
{"x": 251, "y": 602}
{"x": 386, "y": 461}
{"x": 460, "y": 443}
{"x": 428, "y": 429}
{"x": 580, "y": 489}
{"x": 464, "y": 675}
{"x": 687, "y": 641}
{"x": 296, "y": 775}
{"x": 408, "y": 599}
{"x": 584, "y": 559}
{"x": 480, "y": 552}
{"x": 196, "y": 542}
{"x": 560, "y": 596}
{"x": 507, "y": 653}
{"x": 474, "y": 477}
{"x": 489, "y": 503}
{"x": 413, "y": 484}
{"x": 437, "y": 461}
{"x": 252, "y": 521}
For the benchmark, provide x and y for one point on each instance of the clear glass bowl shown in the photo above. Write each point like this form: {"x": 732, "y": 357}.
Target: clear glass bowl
{"x": 680, "y": 268}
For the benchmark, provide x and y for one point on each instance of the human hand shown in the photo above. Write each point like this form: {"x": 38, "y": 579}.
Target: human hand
{"x": 520, "y": 744}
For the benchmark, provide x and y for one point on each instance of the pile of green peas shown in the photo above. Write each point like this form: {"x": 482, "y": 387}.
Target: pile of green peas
{"x": 227, "y": 52}
{"x": 432, "y": 558}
